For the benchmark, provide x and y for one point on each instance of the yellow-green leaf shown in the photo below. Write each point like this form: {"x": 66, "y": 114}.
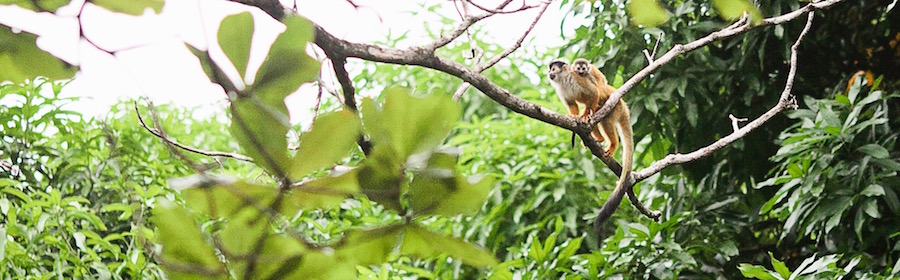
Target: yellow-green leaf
{"x": 287, "y": 65}
{"x": 235, "y": 34}
{"x": 734, "y": 9}
{"x": 182, "y": 243}
{"x": 646, "y": 13}
{"x": 330, "y": 139}
{"x": 21, "y": 59}
{"x": 131, "y": 7}
{"x": 423, "y": 243}
{"x": 325, "y": 192}
{"x": 260, "y": 129}
{"x": 39, "y": 6}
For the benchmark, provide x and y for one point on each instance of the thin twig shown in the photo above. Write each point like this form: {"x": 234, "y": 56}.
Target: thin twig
{"x": 175, "y": 143}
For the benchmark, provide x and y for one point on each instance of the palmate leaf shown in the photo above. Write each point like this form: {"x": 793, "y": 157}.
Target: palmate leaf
{"x": 287, "y": 65}
{"x": 325, "y": 192}
{"x": 21, "y": 59}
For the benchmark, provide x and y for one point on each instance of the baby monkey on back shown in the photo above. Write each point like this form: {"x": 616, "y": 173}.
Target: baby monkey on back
{"x": 582, "y": 83}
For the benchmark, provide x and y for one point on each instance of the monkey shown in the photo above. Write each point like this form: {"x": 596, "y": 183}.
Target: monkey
{"x": 572, "y": 92}
{"x": 576, "y": 84}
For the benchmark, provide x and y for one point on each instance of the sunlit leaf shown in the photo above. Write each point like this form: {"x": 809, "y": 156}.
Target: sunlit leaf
{"x": 755, "y": 271}
{"x": 182, "y": 243}
{"x": 287, "y": 65}
{"x": 43, "y": 5}
{"x": 131, "y": 7}
{"x": 226, "y": 200}
{"x": 260, "y": 130}
{"x": 410, "y": 124}
{"x": 780, "y": 267}
{"x": 330, "y": 139}
{"x": 235, "y": 34}
{"x": 646, "y": 13}
{"x": 734, "y": 9}
{"x": 423, "y": 243}
{"x": 325, "y": 192}
{"x": 367, "y": 247}
{"x": 21, "y": 59}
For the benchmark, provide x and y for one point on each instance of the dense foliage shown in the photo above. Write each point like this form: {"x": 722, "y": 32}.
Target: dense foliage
{"x": 470, "y": 190}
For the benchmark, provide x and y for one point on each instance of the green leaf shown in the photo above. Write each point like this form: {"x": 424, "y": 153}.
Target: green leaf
{"x": 260, "y": 130}
{"x": 38, "y": 6}
{"x": 2, "y": 243}
{"x": 422, "y": 243}
{"x": 182, "y": 243}
{"x": 226, "y": 200}
{"x": 410, "y": 124}
{"x": 734, "y": 9}
{"x": 368, "y": 247}
{"x": 21, "y": 59}
{"x": 287, "y": 65}
{"x": 646, "y": 13}
{"x": 379, "y": 177}
{"x": 235, "y": 34}
{"x": 873, "y": 190}
{"x": 330, "y": 139}
{"x": 243, "y": 231}
{"x": 780, "y": 267}
{"x": 131, "y": 7}
{"x": 755, "y": 271}
{"x": 325, "y": 192}
{"x": 874, "y": 150}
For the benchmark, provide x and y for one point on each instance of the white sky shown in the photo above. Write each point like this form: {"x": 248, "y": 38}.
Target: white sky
{"x": 152, "y": 60}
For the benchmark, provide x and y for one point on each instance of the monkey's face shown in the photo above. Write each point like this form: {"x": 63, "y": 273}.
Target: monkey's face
{"x": 556, "y": 67}
{"x": 581, "y": 67}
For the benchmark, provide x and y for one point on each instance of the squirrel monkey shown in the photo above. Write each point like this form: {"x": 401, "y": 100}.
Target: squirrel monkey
{"x": 584, "y": 83}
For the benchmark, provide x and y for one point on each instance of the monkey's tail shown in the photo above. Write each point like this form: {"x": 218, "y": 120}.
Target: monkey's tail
{"x": 615, "y": 198}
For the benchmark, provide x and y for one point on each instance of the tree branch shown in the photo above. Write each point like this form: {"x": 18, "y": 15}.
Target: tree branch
{"x": 172, "y": 142}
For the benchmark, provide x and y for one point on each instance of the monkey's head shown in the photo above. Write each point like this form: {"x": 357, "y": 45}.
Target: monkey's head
{"x": 557, "y": 66}
{"x": 581, "y": 66}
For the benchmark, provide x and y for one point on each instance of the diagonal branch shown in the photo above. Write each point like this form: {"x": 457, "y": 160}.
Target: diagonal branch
{"x": 741, "y": 26}
{"x": 785, "y": 101}
{"x": 175, "y": 143}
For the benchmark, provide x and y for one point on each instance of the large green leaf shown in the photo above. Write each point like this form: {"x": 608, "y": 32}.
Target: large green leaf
{"x": 287, "y": 66}
{"x": 225, "y": 200}
{"x": 235, "y": 34}
{"x": 182, "y": 243}
{"x": 372, "y": 246}
{"x": 325, "y": 192}
{"x": 646, "y": 13}
{"x": 410, "y": 124}
{"x": 260, "y": 129}
{"x": 21, "y": 59}
{"x": 439, "y": 189}
{"x": 734, "y": 9}
{"x": 40, "y": 6}
{"x": 379, "y": 177}
{"x": 131, "y": 7}
{"x": 328, "y": 141}
{"x": 420, "y": 242}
